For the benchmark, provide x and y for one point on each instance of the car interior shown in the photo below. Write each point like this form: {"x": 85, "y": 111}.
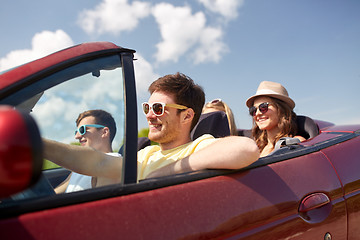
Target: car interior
{"x": 216, "y": 124}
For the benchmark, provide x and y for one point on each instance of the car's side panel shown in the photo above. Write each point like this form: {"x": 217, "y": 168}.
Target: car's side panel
{"x": 346, "y": 160}
{"x": 320, "y": 138}
{"x": 285, "y": 185}
{"x": 261, "y": 202}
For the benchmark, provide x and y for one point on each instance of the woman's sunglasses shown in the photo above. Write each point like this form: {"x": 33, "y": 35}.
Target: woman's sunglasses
{"x": 158, "y": 108}
{"x": 82, "y": 129}
{"x": 263, "y": 108}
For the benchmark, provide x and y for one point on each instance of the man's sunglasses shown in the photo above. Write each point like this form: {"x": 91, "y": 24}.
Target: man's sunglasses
{"x": 263, "y": 108}
{"x": 82, "y": 128}
{"x": 158, "y": 108}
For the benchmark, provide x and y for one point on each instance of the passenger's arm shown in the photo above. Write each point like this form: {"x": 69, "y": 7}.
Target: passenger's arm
{"x": 61, "y": 188}
{"x": 300, "y": 138}
{"x": 226, "y": 153}
{"x": 83, "y": 160}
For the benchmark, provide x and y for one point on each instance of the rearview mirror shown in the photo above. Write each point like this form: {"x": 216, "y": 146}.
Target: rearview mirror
{"x": 20, "y": 151}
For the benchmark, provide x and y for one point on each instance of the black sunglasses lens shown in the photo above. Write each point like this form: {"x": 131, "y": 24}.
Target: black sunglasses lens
{"x": 146, "y": 108}
{"x": 264, "y": 107}
{"x": 157, "y": 108}
{"x": 82, "y": 130}
{"x": 252, "y": 111}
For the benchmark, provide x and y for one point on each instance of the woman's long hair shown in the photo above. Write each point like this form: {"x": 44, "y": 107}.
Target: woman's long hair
{"x": 287, "y": 125}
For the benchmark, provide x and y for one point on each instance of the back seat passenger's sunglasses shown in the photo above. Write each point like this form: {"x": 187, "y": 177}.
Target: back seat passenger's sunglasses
{"x": 215, "y": 101}
{"x": 263, "y": 108}
{"x": 158, "y": 108}
{"x": 82, "y": 128}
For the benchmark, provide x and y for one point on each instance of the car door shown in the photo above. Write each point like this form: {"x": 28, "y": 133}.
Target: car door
{"x": 298, "y": 198}
{"x": 54, "y": 90}
{"x": 345, "y": 158}
{"x": 249, "y": 204}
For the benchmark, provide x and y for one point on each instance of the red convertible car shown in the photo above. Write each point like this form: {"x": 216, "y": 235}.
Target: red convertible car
{"x": 308, "y": 190}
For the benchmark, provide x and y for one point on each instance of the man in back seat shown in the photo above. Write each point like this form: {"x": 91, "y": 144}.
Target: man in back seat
{"x": 95, "y": 129}
{"x": 173, "y": 109}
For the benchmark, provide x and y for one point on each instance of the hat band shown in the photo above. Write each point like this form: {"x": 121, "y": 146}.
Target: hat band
{"x": 268, "y": 91}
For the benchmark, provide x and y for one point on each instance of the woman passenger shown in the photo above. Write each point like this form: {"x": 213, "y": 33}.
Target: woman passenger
{"x": 273, "y": 116}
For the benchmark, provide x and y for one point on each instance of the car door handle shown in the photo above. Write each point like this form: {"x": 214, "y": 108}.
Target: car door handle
{"x": 313, "y": 201}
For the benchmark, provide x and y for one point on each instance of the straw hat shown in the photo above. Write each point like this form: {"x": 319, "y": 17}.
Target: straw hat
{"x": 271, "y": 89}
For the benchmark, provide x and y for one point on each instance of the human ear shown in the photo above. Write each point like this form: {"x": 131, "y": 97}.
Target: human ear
{"x": 188, "y": 115}
{"x": 106, "y": 132}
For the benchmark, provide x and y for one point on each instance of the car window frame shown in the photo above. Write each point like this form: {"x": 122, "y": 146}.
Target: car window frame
{"x": 39, "y": 82}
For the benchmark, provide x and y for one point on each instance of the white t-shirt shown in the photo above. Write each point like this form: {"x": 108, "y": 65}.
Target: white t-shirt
{"x": 80, "y": 182}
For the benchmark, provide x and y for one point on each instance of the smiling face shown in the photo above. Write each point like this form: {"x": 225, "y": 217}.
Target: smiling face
{"x": 268, "y": 120}
{"x": 93, "y": 137}
{"x": 167, "y": 130}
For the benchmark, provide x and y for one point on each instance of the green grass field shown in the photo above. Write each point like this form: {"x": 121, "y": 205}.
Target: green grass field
{"x": 49, "y": 165}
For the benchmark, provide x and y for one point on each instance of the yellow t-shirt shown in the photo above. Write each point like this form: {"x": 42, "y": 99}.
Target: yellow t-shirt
{"x": 152, "y": 158}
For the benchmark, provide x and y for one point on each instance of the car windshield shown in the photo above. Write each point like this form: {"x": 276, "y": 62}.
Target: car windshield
{"x": 59, "y": 106}
{"x": 56, "y": 101}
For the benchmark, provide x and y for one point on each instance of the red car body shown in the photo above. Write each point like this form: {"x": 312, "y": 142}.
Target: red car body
{"x": 307, "y": 191}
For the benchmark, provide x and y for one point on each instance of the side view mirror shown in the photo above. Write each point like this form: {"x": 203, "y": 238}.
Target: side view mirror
{"x": 21, "y": 155}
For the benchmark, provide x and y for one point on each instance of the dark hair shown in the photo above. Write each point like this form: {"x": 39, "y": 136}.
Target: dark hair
{"x": 101, "y": 117}
{"x": 184, "y": 90}
{"x": 287, "y": 124}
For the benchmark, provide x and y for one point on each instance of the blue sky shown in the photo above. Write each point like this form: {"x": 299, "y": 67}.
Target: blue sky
{"x": 228, "y": 47}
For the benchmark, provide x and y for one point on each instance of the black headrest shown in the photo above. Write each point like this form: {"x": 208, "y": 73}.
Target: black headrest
{"x": 214, "y": 123}
{"x": 142, "y": 143}
{"x": 306, "y": 127}
{"x": 245, "y": 133}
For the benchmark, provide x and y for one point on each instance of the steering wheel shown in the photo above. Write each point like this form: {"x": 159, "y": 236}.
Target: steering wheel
{"x": 42, "y": 188}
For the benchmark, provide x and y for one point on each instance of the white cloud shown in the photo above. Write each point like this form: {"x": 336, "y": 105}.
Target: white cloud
{"x": 182, "y": 31}
{"x": 144, "y": 75}
{"x": 49, "y": 115}
{"x": 211, "y": 46}
{"x": 58, "y": 122}
{"x": 43, "y": 43}
{"x": 226, "y": 8}
{"x": 59, "y": 107}
{"x": 113, "y": 16}
{"x": 179, "y": 30}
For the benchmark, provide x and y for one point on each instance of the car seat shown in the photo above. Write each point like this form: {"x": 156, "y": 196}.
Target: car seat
{"x": 214, "y": 123}
{"x": 307, "y": 127}
{"x": 244, "y": 133}
{"x": 142, "y": 143}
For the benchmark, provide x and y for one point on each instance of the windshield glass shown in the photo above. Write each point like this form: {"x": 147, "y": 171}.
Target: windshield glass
{"x": 59, "y": 106}
{"x": 55, "y": 103}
